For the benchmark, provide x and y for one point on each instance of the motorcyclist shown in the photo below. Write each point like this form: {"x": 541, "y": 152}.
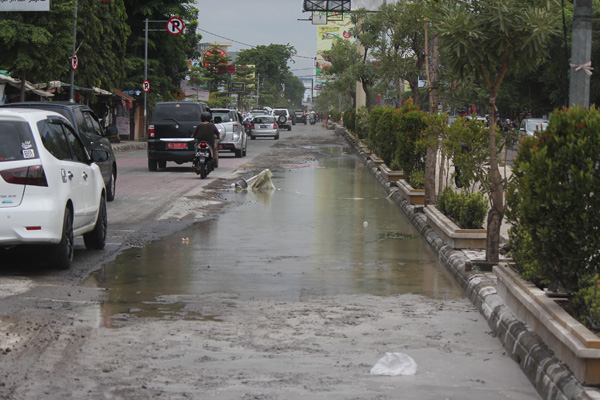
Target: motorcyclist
{"x": 207, "y": 131}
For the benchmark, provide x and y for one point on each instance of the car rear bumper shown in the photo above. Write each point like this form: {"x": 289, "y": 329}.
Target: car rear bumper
{"x": 42, "y": 218}
{"x": 179, "y": 156}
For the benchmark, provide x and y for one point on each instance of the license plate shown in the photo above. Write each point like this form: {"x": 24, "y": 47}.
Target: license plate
{"x": 177, "y": 146}
{"x": 263, "y": 127}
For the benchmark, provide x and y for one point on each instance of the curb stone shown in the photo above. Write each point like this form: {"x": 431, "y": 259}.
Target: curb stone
{"x": 551, "y": 378}
{"x": 128, "y": 145}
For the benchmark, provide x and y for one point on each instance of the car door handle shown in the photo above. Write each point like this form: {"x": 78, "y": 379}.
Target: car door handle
{"x": 70, "y": 175}
{"x": 85, "y": 176}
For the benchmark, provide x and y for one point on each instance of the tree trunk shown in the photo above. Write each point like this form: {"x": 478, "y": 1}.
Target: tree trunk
{"x": 416, "y": 95}
{"x": 367, "y": 91}
{"x": 496, "y": 213}
{"x": 398, "y": 84}
{"x": 431, "y": 156}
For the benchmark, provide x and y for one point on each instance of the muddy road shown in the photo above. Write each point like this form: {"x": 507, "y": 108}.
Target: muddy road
{"x": 62, "y": 337}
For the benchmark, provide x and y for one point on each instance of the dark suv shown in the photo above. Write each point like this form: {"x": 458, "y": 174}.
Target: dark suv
{"x": 88, "y": 127}
{"x": 170, "y": 132}
{"x": 300, "y": 116}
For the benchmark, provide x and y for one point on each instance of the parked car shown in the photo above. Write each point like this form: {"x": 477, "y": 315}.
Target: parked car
{"x": 284, "y": 120}
{"x": 88, "y": 127}
{"x": 51, "y": 188}
{"x": 264, "y": 126}
{"x": 170, "y": 132}
{"x": 530, "y": 125}
{"x": 236, "y": 139}
{"x": 300, "y": 116}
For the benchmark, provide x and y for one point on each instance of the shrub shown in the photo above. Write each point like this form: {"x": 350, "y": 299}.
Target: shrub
{"x": 362, "y": 123}
{"x": 410, "y": 122}
{"x": 554, "y": 198}
{"x": 350, "y": 120}
{"x": 374, "y": 116}
{"x": 336, "y": 115}
{"x": 385, "y": 143}
{"x": 416, "y": 179}
{"x": 467, "y": 210}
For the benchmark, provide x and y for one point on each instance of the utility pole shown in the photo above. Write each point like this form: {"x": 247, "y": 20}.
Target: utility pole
{"x": 258, "y": 90}
{"x": 581, "y": 54}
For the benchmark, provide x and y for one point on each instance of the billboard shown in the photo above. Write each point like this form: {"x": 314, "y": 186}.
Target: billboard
{"x": 327, "y": 34}
{"x": 24, "y": 5}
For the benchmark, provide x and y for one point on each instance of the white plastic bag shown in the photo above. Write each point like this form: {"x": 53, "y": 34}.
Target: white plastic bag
{"x": 393, "y": 364}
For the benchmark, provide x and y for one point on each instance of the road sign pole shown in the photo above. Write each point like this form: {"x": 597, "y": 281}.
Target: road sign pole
{"x": 71, "y": 96}
{"x": 145, "y": 75}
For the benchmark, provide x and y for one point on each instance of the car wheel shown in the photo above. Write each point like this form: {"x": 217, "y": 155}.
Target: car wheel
{"x": 112, "y": 186}
{"x": 96, "y": 239}
{"x": 245, "y": 150}
{"x": 62, "y": 253}
{"x": 152, "y": 165}
{"x": 238, "y": 153}
{"x": 289, "y": 128}
{"x": 162, "y": 164}
{"x": 281, "y": 119}
{"x": 252, "y": 137}
{"x": 276, "y": 137}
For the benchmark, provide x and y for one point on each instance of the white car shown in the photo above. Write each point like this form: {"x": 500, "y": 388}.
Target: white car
{"x": 530, "y": 125}
{"x": 51, "y": 190}
{"x": 235, "y": 138}
{"x": 284, "y": 119}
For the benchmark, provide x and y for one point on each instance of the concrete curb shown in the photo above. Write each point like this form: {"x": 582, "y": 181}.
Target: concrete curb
{"x": 552, "y": 379}
{"x": 126, "y": 146}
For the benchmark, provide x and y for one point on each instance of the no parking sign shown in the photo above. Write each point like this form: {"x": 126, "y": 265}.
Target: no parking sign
{"x": 175, "y": 25}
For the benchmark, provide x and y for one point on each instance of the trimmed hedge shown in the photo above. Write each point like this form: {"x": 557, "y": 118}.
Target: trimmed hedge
{"x": 467, "y": 210}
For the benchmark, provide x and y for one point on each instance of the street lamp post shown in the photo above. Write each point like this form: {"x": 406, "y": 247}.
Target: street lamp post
{"x": 71, "y": 97}
{"x": 581, "y": 54}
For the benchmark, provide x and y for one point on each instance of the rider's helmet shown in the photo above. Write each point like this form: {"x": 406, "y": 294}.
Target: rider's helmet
{"x": 205, "y": 117}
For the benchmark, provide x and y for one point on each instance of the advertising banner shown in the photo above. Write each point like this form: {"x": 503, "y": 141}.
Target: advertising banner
{"x": 24, "y": 5}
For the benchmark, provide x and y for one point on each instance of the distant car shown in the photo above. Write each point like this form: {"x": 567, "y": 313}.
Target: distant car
{"x": 530, "y": 125}
{"x": 236, "y": 139}
{"x": 300, "y": 116}
{"x": 284, "y": 120}
{"x": 170, "y": 132}
{"x": 51, "y": 188}
{"x": 264, "y": 126}
{"x": 88, "y": 127}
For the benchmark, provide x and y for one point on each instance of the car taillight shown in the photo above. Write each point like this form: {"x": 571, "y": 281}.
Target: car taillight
{"x": 33, "y": 175}
{"x": 150, "y": 130}
{"x": 252, "y": 126}
{"x": 235, "y": 126}
{"x": 275, "y": 126}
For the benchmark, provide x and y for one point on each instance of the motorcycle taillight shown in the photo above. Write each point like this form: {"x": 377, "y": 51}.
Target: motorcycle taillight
{"x": 203, "y": 145}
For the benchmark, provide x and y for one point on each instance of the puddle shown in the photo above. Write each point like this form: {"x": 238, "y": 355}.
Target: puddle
{"x": 323, "y": 231}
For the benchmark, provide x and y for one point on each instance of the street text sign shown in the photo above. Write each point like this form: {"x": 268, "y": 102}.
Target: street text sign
{"x": 24, "y": 5}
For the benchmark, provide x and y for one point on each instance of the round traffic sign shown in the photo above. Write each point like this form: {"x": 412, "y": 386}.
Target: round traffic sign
{"x": 282, "y": 95}
{"x": 175, "y": 25}
{"x": 146, "y": 86}
{"x": 74, "y": 62}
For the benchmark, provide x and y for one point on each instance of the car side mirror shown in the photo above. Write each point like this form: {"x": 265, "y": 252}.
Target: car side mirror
{"x": 99, "y": 156}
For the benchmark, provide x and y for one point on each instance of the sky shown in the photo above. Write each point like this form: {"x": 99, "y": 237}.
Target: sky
{"x": 260, "y": 22}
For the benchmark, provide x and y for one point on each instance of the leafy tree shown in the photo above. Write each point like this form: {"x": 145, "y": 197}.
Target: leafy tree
{"x": 366, "y": 31}
{"x": 168, "y": 55}
{"x": 215, "y": 69}
{"x": 37, "y": 46}
{"x": 488, "y": 38}
{"x": 343, "y": 57}
{"x": 102, "y": 34}
{"x": 247, "y": 75}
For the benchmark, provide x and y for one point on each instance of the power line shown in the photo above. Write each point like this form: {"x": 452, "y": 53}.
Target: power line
{"x": 245, "y": 44}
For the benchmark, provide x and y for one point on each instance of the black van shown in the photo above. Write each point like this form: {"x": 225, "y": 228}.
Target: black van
{"x": 170, "y": 132}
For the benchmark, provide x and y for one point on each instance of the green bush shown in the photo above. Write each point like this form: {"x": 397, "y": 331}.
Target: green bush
{"x": 374, "y": 116}
{"x": 554, "y": 198}
{"x": 416, "y": 179}
{"x": 384, "y": 144}
{"x": 350, "y": 120}
{"x": 587, "y": 303}
{"x": 362, "y": 123}
{"x": 336, "y": 115}
{"x": 467, "y": 210}
{"x": 410, "y": 123}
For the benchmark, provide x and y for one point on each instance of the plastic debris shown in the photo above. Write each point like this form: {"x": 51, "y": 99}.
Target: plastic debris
{"x": 185, "y": 240}
{"x": 394, "y": 364}
{"x": 263, "y": 180}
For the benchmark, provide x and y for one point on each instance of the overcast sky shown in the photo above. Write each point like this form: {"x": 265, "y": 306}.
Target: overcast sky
{"x": 260, "y": 22}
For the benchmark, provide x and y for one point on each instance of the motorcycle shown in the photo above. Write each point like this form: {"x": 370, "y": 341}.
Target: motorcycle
{"x": 203, "y": 162}
{"x": 312, "y": 120}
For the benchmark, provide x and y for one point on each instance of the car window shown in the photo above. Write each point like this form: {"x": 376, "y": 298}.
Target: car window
{"x": 223, "y": 115}
{"x": 16, "y": 141}
{"x": 93, "y": 123}
{"x": 180, "y": 112}
{"x": 264, "y": 120}
{"x": 83, "y": 125}
{"x": 77, "y": 150}
{"x": 279, "y": 112}
{"x": 54, "y": 140}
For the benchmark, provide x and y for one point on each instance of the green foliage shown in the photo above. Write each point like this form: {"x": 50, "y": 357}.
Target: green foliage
{"x": 410, "y": 123}
{"x": 362, "y": 123}
{"x": 553, "y": 198}
{"x": 385, "y": 140}
{"x": 350, "y": 119}
{"x": 587, "y": 303}
{"x": 467, "y": 210}
{"x": 336, "y": 115}
{"x": 416, "y": 179}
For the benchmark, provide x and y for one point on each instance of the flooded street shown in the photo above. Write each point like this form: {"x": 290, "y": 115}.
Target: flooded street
{"x": 326, "y": 229}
